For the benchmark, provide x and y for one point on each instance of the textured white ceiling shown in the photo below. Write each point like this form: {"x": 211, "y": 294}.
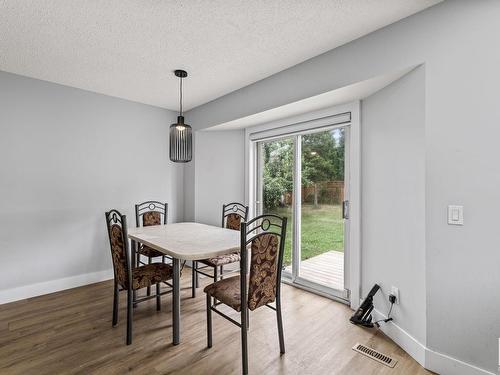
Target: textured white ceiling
{"x": 128, "y": 49}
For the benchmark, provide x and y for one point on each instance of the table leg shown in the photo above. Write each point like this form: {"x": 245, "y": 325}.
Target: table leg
{"x": 133, "y": 260}
{"x": 176, "y": 295}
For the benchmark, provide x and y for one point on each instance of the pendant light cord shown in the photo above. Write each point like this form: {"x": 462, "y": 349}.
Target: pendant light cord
{"x": 180, "y": 96}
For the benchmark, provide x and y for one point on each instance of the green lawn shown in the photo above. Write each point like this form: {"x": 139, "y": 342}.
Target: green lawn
{"x": 322, "y": 230}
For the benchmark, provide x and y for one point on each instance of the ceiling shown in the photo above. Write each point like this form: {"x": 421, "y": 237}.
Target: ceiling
{"x": 129, "y": 48}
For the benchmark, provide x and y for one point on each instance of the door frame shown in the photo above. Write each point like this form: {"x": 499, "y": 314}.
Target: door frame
{"x": 342, "y": 114}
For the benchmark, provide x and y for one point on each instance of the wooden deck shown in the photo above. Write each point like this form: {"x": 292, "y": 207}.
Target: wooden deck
{"x": 325, "y": 269}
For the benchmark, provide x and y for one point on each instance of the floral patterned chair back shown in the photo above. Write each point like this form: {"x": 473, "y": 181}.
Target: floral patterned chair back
{"x": 263, "y": 270}
{"x": 233, "y": 214}
{"x": 151, "y": 213}
{"x": 267, "y": 244}
{"x": 117, "y": 232}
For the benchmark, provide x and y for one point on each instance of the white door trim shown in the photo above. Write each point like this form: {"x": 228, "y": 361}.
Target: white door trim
{"x": 309, "y": 121}
{"x": 354, "y": 262}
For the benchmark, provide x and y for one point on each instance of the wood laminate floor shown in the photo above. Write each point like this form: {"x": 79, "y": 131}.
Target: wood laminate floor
{"x": 70, "y": 332}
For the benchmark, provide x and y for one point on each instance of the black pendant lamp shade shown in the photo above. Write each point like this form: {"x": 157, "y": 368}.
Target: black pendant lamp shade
{"x": 181, "y": 137}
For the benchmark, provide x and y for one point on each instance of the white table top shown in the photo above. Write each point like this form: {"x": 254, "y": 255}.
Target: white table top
{"x": 188, "y": 241}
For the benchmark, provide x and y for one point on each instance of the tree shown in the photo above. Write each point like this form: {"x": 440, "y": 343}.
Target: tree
{"x": 322, "y": 160}
{"x": 278, "y": 171}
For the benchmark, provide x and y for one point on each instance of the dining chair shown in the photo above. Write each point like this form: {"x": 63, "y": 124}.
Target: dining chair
{"x": 265, "y": 235}
{"x": 232, "y": 216}
{"x": 146, "y": 214}
{"x": 131, "y": 278}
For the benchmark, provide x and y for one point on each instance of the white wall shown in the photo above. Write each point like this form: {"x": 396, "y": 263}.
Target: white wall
{"x": 457, "y": 40}
{"x": 189, "y": 181}
{"x": 220, "y": 172}
{"x": 67, "y": 156}
{"x": 393, "y": 199}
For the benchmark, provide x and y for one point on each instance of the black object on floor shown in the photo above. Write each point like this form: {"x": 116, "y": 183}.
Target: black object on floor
{"x": 363, "y": 316}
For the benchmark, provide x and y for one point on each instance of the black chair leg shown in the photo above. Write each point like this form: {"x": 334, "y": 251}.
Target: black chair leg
{"x": 129, "y": 317}
{"x": 244, "y": 345}
{"x": 158, "y": 297}
{"x": 221, "y": 272}
{"x": 148, "y": 290}
{"x": 193, "y": 279}
{"x": 248, "y": 319}
{"x": 115, "y": 304}
{"x": 280, "y": 326}
{"x": 134, "y": 293}
{"x": 216, "y": 277}
{"x": 209, "y": 321}
{"x": 197, "y": 276}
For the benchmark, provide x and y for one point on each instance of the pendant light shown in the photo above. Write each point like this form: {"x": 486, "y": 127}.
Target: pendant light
{"x": 181, "y": 138}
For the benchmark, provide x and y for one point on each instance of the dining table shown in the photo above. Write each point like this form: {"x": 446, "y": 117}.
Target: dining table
{"x": 185, "y": 241}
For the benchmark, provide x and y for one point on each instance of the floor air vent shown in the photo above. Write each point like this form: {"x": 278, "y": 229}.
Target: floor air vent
{"x": 373, "y": 354}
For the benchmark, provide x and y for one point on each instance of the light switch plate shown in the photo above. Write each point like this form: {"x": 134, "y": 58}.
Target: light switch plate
{"x": 455, "y": 215}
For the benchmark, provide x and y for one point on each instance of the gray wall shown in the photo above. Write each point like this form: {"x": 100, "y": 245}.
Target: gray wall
{"x": 67, "y": 156}
{"x": 457, "y": 40}
{"x": 220, "y": 173}
{"x": 393, "y": 198}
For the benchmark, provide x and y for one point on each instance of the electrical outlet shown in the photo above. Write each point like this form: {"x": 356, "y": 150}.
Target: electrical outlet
{"x": 395, "y": 293}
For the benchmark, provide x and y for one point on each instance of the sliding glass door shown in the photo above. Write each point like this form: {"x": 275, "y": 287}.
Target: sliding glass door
{"x": 322, "y": 195}
{"x": 275, "y": 184}
{"x": 302, "y": 176}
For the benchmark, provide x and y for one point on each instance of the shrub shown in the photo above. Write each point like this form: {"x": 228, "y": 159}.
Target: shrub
{"x": 274, "y": 188}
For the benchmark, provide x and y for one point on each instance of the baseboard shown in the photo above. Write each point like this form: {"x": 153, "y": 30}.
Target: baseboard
{"x": 431, "y": 360}
{"x": 443, "y": 364}
{"x": 46, "y": 287}
{"x": 406, "y": 341}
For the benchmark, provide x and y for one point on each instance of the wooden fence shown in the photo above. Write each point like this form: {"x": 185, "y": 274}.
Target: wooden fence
{"x": 329, "y": 192}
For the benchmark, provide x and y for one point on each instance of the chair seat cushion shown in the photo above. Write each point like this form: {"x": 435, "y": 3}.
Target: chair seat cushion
{"x": 150, "y": 274}
{"x": 149, "y": 252}
{"x": 227, "y": 291}
{"x": 222, "y": 260}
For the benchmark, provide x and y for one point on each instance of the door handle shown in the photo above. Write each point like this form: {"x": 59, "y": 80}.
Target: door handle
{"x": 345, "y": 210}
